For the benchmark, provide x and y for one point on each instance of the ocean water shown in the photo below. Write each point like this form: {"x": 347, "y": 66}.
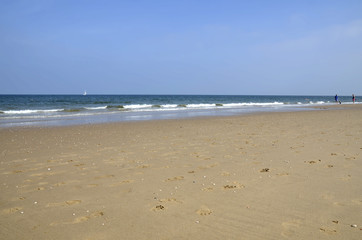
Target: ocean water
{"x": 57, "y": 110}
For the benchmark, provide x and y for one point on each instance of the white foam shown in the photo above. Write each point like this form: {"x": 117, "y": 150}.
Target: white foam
{"x": 96, "y": 108}
{"x": 169, "y": 106}
{"x": 201, "y": 105}
{"x": 252, "y": 104}
{"x": 28, "y": 111}
{"x": 137, "y": 106}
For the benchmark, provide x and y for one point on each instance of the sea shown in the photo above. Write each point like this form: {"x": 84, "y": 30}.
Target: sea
{"x": 60, "y": 110}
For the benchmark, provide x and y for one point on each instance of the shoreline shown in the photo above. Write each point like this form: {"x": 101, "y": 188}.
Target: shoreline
{"x": 115, "y": 117}
{"x": 285, "y": 175}
{"x": 204, "y": 116}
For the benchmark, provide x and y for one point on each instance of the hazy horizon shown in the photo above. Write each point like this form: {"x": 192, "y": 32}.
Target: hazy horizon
{"x": 180, "y": 94}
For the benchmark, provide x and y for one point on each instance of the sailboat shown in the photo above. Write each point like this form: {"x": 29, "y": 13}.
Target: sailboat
{"x": 85, "y": 93}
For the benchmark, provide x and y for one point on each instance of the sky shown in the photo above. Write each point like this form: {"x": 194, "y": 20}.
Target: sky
{"x": 181, "y": 47}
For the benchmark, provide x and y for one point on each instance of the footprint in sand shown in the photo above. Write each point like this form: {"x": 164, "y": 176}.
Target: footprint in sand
{"x": 79, "y": 165}
{"x": 80, "y": 219}
{"x": 174, "y": 179}
{"x": 158, "y": 208}
{"x": 122, "y": 182}
{"x": 312, "y": 162}
{"x": 66, "y": 203}
{"x": 328, "y": 230}
{"x": 59, "y": 184}
{"x": 347, "y": 178}
{"x": 73, "y": 202}
{"x": 169, "y": 200}
{"x": 290, "y": 228}
{"x": 164, "y": 201}
{"x": 330, "y": 197}
{"x": 86, "y": 218}
{"x": 208, "y": 189}
{"x": 144, "y": 166}
{"x": 225, "y": 174}
{"x": 202, "y": 157}
{"x": 208, "y": 166}
{"x": 348, "y": 203}
{"x": 204, "y": 211}
{"x": 339, "y": 204}
{"x": 234, "y": 185}
{"x": 357, "y": 201}
{"x": 104, "y": 176}
{"x": 350, "y": 158}
{"x": 12, "y": 210}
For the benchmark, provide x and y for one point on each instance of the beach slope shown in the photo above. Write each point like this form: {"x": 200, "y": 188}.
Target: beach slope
{"x": 294, "y": 175}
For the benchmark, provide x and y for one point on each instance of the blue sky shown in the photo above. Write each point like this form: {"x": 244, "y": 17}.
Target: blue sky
{"x": 181, "y": 47}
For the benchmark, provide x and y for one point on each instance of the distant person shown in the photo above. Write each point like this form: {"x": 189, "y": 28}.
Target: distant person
{"x": 353, "y": 98}
{"x": 336, "y": 98}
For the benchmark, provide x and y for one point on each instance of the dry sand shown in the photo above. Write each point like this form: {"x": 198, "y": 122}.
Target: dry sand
{"x": 291, "y": 175}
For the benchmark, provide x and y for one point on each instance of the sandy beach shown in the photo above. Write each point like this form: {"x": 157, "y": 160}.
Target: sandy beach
{"x": 291, "y": 175}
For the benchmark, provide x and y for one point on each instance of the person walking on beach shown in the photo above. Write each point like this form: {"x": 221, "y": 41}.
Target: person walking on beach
{"x": 336, "y": 98}
{"x": 353, "y": 98}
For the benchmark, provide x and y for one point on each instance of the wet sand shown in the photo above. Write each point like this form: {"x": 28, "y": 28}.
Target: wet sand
{"x": 294, "y": 175}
